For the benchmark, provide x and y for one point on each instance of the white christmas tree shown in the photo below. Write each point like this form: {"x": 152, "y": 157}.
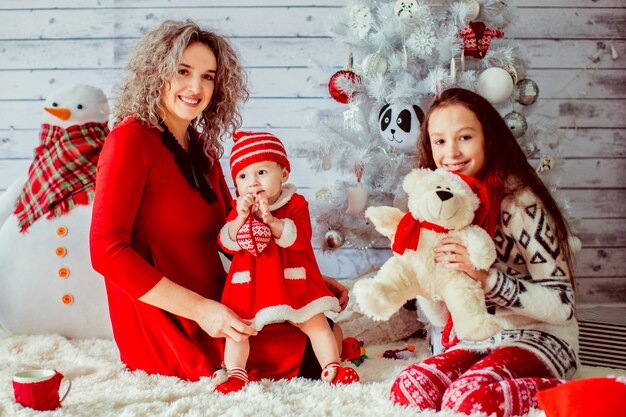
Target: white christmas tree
{"x": 403, "y": 54}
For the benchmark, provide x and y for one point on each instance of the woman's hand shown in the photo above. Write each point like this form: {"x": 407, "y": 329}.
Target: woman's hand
{"x": 220, "y": 321}
{"x": 452, "y": 254}
{"x": 338, "y": 291}
{"x": 213, "y": 317}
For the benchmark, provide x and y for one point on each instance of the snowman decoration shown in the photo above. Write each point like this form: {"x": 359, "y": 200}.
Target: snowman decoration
{"x": 399, "y": 126}
{"x": 48, "y": 284}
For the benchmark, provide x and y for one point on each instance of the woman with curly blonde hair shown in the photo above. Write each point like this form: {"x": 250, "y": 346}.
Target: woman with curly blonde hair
{"x": 160, "y": 202}
{"x": 155, "y": 61}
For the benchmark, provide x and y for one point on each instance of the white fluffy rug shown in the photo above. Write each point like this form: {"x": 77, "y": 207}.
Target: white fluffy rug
{"x": 101, "y": 387}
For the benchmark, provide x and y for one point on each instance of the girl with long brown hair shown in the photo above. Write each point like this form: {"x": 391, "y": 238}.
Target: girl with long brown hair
{"x": 529, "y": 288}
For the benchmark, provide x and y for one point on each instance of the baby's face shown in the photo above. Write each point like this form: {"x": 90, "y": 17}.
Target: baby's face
{"x": 264, "y": 178}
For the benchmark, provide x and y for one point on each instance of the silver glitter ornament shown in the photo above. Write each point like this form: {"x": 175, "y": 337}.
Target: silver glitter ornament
{"x": 334, "y": 239}
{"x": 526, "y": 91}
{"x": 323, "y": 194}
{"x": 517, "y": 123}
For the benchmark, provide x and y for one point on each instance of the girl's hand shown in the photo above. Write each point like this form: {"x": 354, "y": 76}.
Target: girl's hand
{"x": 244, "y": 205}
{"x": 220, "y": 321}
{"x": 452, "y": 254}
{"x": 338, "y": 291}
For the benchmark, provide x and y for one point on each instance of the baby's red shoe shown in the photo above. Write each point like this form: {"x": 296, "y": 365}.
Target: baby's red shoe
{"x": 229, "y": 381}
{"x": 339, "y": 374}
{"x": 232, "y": 384}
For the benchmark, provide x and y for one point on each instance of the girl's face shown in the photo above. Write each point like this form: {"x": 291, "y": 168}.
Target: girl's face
{"x": 266, "y": 178}
{"x": 189, "y": 91}
{"x": 457, "y": 140}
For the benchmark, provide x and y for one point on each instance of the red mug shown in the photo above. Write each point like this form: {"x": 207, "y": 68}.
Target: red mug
{"x": 39, "y": 389}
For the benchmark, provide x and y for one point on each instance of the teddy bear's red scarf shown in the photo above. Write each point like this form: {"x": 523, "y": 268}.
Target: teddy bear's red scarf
{"x": 408, "y": 233}
{"x": 63, "y": 172}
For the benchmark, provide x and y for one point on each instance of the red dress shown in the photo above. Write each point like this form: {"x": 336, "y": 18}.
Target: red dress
{"x": 282, "y": 283}
{"x": 148, "y": 223}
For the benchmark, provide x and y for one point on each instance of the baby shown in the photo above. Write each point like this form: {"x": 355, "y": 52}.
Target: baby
{"x": 274, "y": 276}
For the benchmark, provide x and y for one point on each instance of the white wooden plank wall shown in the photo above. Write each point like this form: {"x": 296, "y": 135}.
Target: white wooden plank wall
{"x": 289, "y": 54}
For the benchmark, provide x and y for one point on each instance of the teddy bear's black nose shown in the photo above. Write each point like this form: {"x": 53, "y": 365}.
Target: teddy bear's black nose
{"x": 444, "y": 195}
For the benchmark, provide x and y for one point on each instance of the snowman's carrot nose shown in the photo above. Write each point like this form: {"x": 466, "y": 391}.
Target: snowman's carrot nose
{"x": 62, "y": 113}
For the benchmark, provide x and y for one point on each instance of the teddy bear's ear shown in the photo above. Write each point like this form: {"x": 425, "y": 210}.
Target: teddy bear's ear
{"x": 413, "y": 177}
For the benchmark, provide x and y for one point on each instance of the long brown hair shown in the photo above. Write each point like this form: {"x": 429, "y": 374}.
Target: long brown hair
{"x": 504, "y": 159}
{"x": 154, "y": 61}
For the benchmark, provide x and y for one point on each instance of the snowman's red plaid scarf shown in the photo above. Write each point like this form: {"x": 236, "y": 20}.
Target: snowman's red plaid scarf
{"x": 63, "y": 172}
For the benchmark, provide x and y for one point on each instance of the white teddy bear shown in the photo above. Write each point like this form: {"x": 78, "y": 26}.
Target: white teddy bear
{"x": 440, "y": 204}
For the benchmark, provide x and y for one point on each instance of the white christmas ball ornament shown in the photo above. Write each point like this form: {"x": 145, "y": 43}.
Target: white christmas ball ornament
{"x": 474, "y": 9}
{"x": 373, "y": 64}
{"x": 399, "y": 126}
{"x": 495, "y": 84}
{"x": 405, "y": 9}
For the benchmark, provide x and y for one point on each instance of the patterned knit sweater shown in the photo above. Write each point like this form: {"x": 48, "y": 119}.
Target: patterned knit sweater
{"x": 528, "y": 290}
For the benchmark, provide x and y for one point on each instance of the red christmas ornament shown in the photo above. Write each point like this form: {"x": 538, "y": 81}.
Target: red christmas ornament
{"x": 477, "y": 37}
{"x": 336, "y": 92}
{"x": 254, "y": 236}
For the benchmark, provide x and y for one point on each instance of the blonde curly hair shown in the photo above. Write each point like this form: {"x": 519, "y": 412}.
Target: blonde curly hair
{"x": 155, "y": 60}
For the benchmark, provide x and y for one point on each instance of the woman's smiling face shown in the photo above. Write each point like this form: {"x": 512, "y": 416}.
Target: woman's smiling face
{"x": 190, "y": 90}
{"x": 457, "y": 140}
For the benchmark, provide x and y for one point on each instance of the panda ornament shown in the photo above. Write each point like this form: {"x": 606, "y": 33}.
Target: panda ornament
{"x": 48, "y": 283}
{"x": 405, "y": 9}
{"x": 399, "y": 126}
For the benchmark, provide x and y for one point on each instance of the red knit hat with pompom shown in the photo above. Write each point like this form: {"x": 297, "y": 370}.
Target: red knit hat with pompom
{"x": 252, "y": 147}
